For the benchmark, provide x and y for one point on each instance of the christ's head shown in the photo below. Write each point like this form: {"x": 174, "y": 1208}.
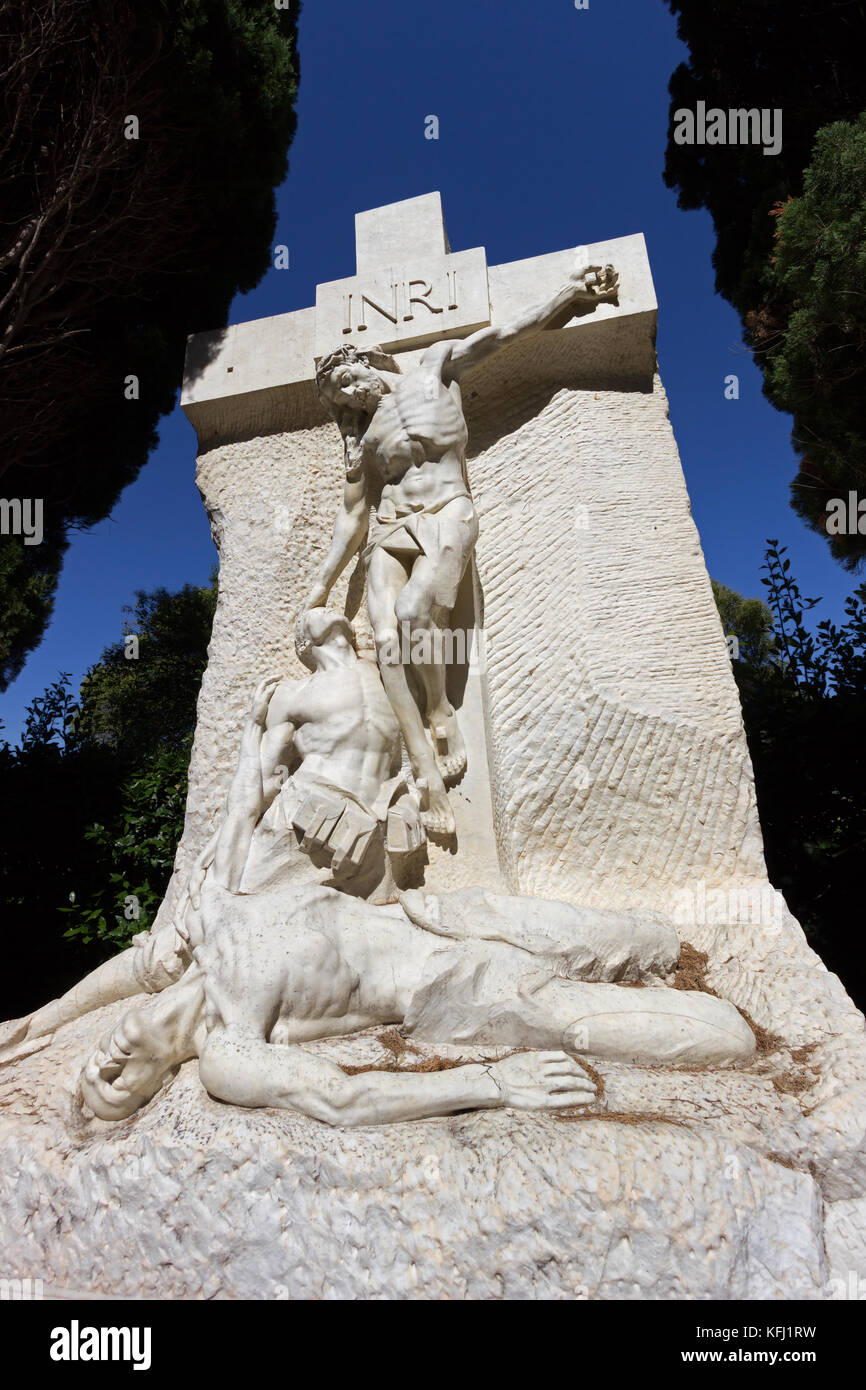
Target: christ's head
{"x": 348, "y": 379}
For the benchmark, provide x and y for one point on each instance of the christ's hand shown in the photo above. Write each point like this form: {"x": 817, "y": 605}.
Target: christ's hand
{"x": 596, "y": 282}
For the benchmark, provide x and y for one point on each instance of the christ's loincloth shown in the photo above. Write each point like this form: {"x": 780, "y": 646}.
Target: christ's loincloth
{"x": 445, "y": 531}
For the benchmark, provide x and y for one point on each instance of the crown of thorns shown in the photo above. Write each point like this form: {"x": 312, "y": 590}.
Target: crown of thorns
{"x": 371, "y": 357}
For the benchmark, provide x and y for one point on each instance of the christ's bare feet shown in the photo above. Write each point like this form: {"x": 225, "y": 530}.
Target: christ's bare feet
{"x": 435, "y": 809}
{"x": 448, "y": 743}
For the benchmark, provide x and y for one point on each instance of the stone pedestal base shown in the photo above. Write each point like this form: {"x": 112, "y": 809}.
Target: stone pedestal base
{"x": 681, "y": 1185}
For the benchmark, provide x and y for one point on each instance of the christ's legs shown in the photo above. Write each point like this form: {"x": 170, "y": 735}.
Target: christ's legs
{"x": 417, "y": 608}
{"x": 386, "y": 581}
{"x": 425, "y": 604}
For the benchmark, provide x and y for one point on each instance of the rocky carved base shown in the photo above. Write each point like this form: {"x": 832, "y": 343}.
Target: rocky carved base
{"x": 678, "y": 1185}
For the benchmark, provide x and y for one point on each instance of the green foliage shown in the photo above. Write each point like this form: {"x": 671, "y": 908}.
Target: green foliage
{"x": 804, "y": 708}
{"x": 93, "y": 800}
{"x": 816, "y": 368}
{"x": 28, "y": 578}
{"x": 750, "y": 621}
{"x": 764, "y": 54}
{"x": 137, "y": 850}
{"x": 52, "y": 720}
{"x": 113, "y": 250}
{"x": 799, "y": 294}
{"x": 138, "y": 704}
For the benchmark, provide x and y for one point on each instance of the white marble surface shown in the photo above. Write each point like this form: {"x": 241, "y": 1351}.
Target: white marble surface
{"x": 613, "y": 773}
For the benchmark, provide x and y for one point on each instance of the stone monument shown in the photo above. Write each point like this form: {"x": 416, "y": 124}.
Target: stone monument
{"x": 469, "y": 981}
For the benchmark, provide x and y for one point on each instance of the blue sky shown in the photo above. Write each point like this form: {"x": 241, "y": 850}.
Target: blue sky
{"x": 552, "y": 134}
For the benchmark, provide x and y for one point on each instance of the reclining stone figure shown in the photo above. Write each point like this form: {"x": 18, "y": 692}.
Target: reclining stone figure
{"x": 280, "y": 970}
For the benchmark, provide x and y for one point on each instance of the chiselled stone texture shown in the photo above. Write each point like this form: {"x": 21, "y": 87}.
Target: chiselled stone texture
{"x": 607, "y": 766}
{"x": 845, "y": 1244}
{"x": 618, "y": 761}
{"x": 270, "y": 503}
{"x": 617, "y": 758}
{"x": 771, "y": 973}
{"x": 195, "y": 1199}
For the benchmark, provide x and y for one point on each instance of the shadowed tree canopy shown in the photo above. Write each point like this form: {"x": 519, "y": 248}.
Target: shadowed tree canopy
{"x": 750, "y": 621}
{"x": 790, "y": 277}
{"x": 141, "y": 145}
{"x": 109, "y": 770}
{"x": 141, "y": 695}
{"x": 803, "y": 693}
{"x": 812, "y": 345}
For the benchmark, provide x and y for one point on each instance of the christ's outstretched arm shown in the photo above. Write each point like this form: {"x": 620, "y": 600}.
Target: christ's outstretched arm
{"x": 350, "y": 530}
{"x": 594, "y": 284}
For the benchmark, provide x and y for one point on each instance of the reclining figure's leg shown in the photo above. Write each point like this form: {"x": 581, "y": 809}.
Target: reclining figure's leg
{"x": 657, "y": 1026}
{"x": 651, "y": 1026}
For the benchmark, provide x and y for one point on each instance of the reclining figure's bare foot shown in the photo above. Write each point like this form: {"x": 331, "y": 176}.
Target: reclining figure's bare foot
{"x": 448, "y": 745}
{"x": 422, "y": 909}
{"x": 435, "y": 810}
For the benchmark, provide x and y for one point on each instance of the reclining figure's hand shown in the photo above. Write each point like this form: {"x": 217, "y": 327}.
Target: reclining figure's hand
{"x": 542, "y": 1081}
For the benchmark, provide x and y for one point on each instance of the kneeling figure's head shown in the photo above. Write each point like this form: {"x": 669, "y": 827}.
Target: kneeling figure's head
{"x": 321, "y": 630}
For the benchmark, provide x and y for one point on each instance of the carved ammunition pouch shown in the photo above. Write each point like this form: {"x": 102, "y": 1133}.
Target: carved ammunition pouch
{"x": 343, "y": 826}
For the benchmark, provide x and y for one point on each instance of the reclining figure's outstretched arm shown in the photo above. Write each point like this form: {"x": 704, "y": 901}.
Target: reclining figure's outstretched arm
{"x": 243, "y": 1069}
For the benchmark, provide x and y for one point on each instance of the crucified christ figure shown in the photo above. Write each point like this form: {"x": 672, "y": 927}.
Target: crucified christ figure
{"x": 405, "y": 438}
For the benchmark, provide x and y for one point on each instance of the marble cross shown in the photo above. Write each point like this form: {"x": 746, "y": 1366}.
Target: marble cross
{"x": 409, "y": 289}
